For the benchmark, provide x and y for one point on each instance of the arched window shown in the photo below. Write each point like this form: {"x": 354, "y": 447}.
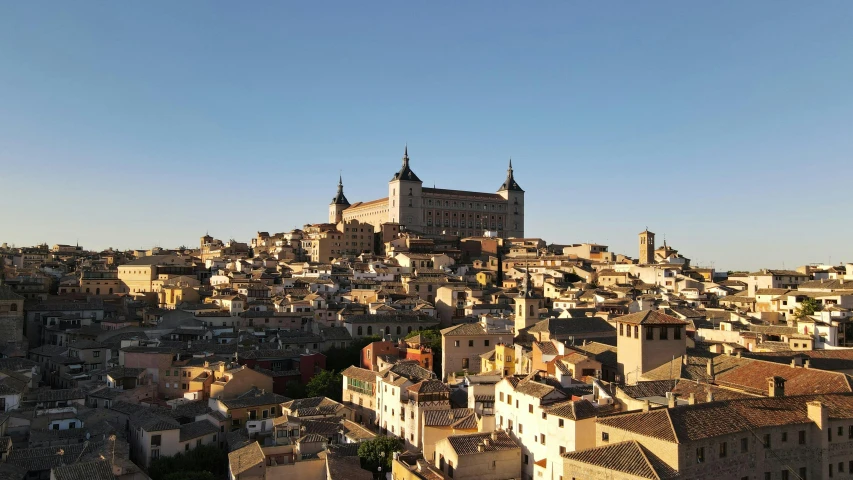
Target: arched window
{"x": 97, "y": 291}
{"x": 531, "y": 310}
{"x": 409, "y": 330}
{"x": 111, "y": 291}
{"x": 387, "y": 330}
{"x": 87, "y": 290}
{"x": 399, "y": 330}
{"x": 370, "y": 329}
{"x": 359, "y": 330}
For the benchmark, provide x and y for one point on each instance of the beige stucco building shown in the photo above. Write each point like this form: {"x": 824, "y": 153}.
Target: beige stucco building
{"x": 437, "y": 210}
{"x": 776, "y": 438}
{"x": 480, "y": 456}
{"x": 646, "y": 340}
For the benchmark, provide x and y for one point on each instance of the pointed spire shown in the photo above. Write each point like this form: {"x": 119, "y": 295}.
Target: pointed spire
{"x": 340, "y": 199}
{"x": 510, "y": 183}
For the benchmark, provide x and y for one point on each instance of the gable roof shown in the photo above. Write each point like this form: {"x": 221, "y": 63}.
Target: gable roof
{"x": 650, "y": 317}
{"x": 627, "y": 457}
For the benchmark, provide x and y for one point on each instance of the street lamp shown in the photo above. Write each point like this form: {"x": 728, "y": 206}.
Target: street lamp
{"x": 381, "y": 461}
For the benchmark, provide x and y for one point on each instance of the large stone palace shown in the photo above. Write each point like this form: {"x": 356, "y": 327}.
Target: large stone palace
{"x": 437, "y": 210}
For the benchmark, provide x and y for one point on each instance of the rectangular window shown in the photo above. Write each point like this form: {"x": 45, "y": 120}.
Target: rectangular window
{"x": 621, "y": 326}
{"x": 724, "y": 447}
{"x": 803, "y": 473}
{"x": 605, "y": 437}
{"x": 650, "y": 333}
{"x": 784, "y": 474}
{"x": 530, "y": 408}
{"x": 542, "y": 441}
{"x": 802, "y": 436}
{"x": 676, "y": 333}
{"x": 636, "y": 331}
{"x": 744, "y": 445}
{"x": 784, "y": 436}
{"x": 766, "y": 440}
{"x": 501, "y": 396}
{"x": 470, "y": 343}
{"x": 663, "y": 333}
{"x": 456, "y": 343}
{"x": 520, "y": 428}
{"x": 156, "y": 440}
{"x": 485, "y": 343}
{"x": 700, "y": 455}
{"x": 560, "y": 423}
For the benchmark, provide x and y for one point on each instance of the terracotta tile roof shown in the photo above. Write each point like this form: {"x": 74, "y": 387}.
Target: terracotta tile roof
{"x": 429, "y": 386}
{"x": 346, "y": 468}
{"x": 655, "y": 424}
{"x": 404, "y": 371}
{"x": 547, "y": 348}
{"x": 468, "y": 444}
{"x": 245, "y": 458}
{"x": 356, "y": 432}
{"x": 627, "y": 457}
{"x": 361, "y": 374}
{"x": 198, "y": 429}
{"x": 97, "y": 470}
{"x": 445, "y": 418}
{"x": 650, "y": 317}
{"x": 253, "y": 398}
{"x": 464, "y": 329}
{"x": 573, "y": 326}
{"x": 573, "y": 410}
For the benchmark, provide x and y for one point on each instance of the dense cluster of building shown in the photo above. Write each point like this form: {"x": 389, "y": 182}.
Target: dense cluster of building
{"x": 487, "y": 354}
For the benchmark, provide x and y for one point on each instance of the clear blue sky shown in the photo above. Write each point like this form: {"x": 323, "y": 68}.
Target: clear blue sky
{"x": 726, "y": 126}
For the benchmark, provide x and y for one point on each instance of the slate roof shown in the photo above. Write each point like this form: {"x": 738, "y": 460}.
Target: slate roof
{"x": 650, "y": 317}
{"x": 627, "y": 457}
{"x": 468, "y": 444}
{"x": 198, "y": 429}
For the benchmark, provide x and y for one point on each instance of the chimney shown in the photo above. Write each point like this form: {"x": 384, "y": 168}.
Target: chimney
{"x": 646, "y": 406}
{"x": 818, "y": 414}
{"x": 710, "y": 370}
{"x": 710, "y": 395}
{"x": 691, "y": 400}
{"x": 671, "y": 400}
{"x": 807, "y": 363}
{"x": 684, "y": 359}
{"x": 776, "y": 386}
{"x": 494, "y": 436}
{"x": 486, "y": 442}
{"x": 793, "y": 363}
{"x": 481, "y": 448}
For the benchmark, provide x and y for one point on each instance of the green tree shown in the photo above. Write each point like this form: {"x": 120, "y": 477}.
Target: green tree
{"x": 327, "y": 383}
{"x": 205, "y": 459}
{"x": 807, "y": 307}
{"x": 379, "y": 451}
{"x": 338, "y": 359}
{"x": 295, "y": 390}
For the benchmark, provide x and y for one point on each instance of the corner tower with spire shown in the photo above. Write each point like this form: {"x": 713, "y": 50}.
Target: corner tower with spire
{"x": 514, "y": 196}
{"x": 339, "y": 204}
{"x": 405, "y": 196}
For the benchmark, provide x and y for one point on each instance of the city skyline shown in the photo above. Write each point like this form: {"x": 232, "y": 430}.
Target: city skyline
{"x": 699, "y": 123}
